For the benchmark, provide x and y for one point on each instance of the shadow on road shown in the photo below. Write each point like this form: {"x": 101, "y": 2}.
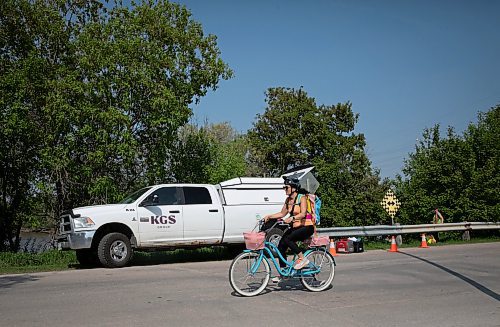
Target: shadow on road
{"x": 143, "y": 258}
{"x": 472, "y": 282}
{"x": 182, "y": 255}
{"x": 286, "y": 285}
{"x": 9, "y": 281}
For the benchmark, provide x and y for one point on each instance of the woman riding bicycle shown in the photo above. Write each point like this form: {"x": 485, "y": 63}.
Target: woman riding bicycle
{"x": 302, "y": 228}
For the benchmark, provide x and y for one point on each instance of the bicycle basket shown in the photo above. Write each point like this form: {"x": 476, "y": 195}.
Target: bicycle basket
{"x": 316, "y": 241}
{"x": 254, "y": 240}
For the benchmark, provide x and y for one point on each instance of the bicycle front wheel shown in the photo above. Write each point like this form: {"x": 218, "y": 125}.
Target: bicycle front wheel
{"x": 248, "y": 276}
{"x": 322, "y": 262}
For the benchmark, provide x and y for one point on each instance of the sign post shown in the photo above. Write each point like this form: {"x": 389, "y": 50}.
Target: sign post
{"x": 391, "y": 204}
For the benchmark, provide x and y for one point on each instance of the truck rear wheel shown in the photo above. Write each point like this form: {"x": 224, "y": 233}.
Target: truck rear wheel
{"x": 274, "y": 236}
{"x": 114, "y": 250}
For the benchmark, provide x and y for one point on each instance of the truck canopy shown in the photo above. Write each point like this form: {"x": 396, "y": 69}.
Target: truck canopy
{"x": 251, "y": 182}
{"x": 252, "y": 190}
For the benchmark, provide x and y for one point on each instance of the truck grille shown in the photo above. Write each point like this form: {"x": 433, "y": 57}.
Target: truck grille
{"x": 65, "y": 225}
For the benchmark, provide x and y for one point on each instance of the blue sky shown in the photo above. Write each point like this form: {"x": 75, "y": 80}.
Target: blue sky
{"x": 404, "y": 65}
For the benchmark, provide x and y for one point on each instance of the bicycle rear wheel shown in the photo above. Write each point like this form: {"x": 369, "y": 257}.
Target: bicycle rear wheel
{"x": 245, "y": 277}
{"x": 323, "y": 262}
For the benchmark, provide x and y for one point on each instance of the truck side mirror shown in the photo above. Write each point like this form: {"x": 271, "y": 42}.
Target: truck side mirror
{"x": 150, "y": 201}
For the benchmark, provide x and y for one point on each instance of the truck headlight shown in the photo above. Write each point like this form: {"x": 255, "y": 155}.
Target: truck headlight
{"x": 83, "y": 222}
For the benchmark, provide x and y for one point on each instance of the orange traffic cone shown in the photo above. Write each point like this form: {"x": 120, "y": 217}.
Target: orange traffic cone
{"x": 394, "y": 246}
{"x": 424, "y": 242}
{"x": 332, "y": 248}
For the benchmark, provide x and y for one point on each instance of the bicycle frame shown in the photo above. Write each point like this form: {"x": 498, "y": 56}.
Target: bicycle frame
{"x": 287, "y": 271}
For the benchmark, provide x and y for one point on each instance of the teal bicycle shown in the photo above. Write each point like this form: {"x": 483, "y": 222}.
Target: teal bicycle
{"x": 250, "y": 271}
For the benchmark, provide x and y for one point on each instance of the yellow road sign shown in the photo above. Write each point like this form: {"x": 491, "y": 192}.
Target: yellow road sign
{"x": 390, "y": 203}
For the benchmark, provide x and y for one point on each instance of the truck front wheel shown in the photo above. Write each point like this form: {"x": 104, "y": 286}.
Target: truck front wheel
{"x": 114, "y": 250}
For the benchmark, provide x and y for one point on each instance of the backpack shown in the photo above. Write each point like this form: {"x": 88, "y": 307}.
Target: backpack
{"x": 313, "y": 207}
{"x": 317, "y": 209}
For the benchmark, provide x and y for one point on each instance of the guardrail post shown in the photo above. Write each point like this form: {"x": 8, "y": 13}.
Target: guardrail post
{"x": 466, "y": 234}
{"x": 399, "y": 238}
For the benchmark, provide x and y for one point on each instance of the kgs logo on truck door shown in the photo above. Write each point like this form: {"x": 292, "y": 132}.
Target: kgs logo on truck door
{"x": 161, "y": 221}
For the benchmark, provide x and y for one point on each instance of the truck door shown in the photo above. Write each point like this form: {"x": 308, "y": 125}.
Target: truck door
{"x": 202, "y": 215}
{"x": 160, "y": 216}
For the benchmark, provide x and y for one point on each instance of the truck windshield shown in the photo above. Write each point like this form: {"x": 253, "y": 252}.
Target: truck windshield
{"x": 134, "y": 196}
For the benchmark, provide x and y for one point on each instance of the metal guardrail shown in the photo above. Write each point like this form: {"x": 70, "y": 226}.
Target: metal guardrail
{"x": 380, "y": 230}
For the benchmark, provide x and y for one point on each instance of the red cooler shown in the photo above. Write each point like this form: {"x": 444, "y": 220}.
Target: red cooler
{"x": 344, "y": 246}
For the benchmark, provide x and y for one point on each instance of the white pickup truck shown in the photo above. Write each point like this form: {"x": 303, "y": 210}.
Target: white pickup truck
{"x": 169, "y": 216}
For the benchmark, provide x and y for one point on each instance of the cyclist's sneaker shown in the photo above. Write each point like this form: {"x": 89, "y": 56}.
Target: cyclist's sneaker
{"x": 301, "y": 263}
{"x": 276, "y": 279}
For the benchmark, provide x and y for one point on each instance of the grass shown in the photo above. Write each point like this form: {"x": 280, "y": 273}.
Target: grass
{"x": 53, "y": 260}
{"x": 15, "y": 263}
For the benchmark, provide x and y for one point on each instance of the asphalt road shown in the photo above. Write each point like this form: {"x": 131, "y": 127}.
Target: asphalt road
{"x": 442, "y": 286}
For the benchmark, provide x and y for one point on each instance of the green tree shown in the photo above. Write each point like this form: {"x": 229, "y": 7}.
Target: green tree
{"x": 139, "y": 70}
{"x": 484, "y": 139}
{"x": 191, "y": 156}
{"x": 456, "y": 174}
{"x": 31, "y": 33}
{"x": 209, "y": 154}
{"x": 229, "y": 151}
{"x": 102, "y": 92}
{"x": 294, "y": 131}
{"x": 440, "y": 171}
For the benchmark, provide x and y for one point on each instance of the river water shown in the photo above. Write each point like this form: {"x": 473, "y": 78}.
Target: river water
{"x": 35, "y": 242}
